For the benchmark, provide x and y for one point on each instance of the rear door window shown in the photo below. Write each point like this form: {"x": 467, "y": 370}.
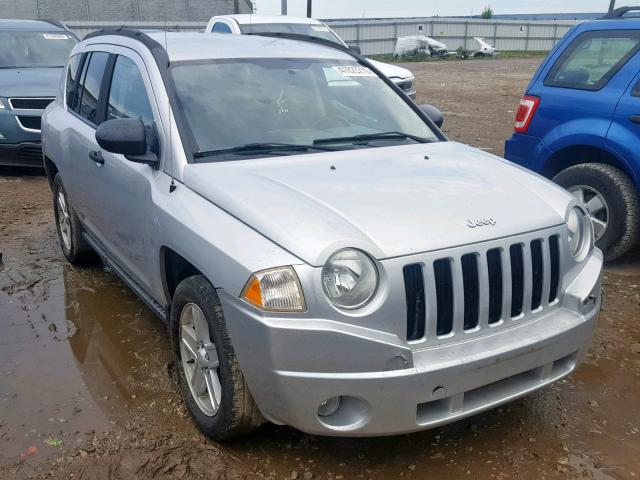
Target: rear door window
{"x": 593, "y": 59}
{"x": 89, "y": 92}
{"x": 72, "y": 80}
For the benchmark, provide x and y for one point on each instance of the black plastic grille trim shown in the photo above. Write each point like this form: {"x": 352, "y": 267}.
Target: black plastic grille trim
{"x": 414, "y": 289}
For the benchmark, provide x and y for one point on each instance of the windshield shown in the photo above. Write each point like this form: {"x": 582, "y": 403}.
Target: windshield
{"x": 34, "y": 49}
{"x": 318, "y": 31}
{"x": 243, "y": 102}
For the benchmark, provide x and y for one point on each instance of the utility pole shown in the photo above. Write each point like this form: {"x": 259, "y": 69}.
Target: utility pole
{"x": 612, "y": 5}
{"x": 308, "y": 8}
{"x": 283, "y": 7}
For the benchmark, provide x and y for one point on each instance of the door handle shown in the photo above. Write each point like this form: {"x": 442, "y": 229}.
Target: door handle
{"x": 96, "y": 156}
{"x": 634, "y": 118}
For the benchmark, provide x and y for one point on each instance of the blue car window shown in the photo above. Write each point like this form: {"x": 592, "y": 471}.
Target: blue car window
{"x": 593, "y": 58}
{"x": 220, "y": 27}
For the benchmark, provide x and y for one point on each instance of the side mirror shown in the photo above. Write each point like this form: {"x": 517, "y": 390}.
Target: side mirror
{"x": 356, "y": 49}
{"x": 434, "y": 114}
{"x": 126, "y": 136}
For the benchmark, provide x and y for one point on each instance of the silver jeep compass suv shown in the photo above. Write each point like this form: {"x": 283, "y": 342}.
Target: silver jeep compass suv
{"x": 322, "y": 255}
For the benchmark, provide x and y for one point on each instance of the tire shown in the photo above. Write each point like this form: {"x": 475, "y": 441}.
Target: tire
{"x": 74, "y": 247}
{"x": 237, "y": 413}
{"x": 623, "y": 206}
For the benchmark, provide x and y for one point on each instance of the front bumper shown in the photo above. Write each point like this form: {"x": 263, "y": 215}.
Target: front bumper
{"x": 28, "y": 154}
{"x": 19, "y": 146}
{"x": 293, "y": 365}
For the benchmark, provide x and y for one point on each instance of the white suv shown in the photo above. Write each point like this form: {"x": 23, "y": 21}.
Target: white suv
{"x": 244, "y": 24}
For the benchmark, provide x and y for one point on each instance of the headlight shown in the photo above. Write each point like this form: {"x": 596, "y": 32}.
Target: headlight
{"x": 349, "y": 278}
{"x": 276, "y": 290}
{"x": 580, "y": 233}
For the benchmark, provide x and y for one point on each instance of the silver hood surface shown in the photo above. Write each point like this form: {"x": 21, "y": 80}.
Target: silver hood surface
{"x": 389, "y": 201}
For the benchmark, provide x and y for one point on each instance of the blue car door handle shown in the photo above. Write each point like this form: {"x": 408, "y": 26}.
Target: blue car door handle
{"x": 635, "y": 118}
{"x": 96, "y": 156}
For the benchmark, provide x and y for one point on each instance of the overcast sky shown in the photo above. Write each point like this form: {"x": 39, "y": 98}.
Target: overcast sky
{"x": 427, "y": 8}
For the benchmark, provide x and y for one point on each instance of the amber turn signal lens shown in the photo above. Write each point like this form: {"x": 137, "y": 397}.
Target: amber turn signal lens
{"x": 253, "y": 294}
{"x": 276, "y": 290}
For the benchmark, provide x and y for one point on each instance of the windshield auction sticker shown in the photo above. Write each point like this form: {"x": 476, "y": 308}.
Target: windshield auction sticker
{"x": 55, "y": 36}
{"x": 353, "y": 71}
{"x": 319, "y": 28}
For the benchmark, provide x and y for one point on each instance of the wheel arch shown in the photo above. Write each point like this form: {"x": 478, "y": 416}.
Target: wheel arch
{"x": 174, "y": 268}
{"x": 50, "y": 170}
{"x": 579, "y": 154}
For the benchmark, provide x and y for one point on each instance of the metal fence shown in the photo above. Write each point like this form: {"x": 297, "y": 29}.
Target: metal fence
{"x": 378, "y": 36}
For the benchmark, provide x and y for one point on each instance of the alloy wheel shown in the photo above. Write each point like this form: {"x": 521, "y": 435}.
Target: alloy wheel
{"x": 200, "y": 360}
{"x": 64, "y": 221}
{"x": 597, "y": 208}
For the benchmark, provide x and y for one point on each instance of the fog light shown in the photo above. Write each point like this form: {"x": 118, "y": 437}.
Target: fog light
{"x": 329, "y": 407}
{"x": 1, "y": 136}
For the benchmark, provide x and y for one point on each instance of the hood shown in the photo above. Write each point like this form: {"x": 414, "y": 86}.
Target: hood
{"x": 387, "y": 201}
{"x": 391, "y": 71}
{"x": 30, "y": 82}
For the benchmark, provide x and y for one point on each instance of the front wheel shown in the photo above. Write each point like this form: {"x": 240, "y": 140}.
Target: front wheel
{"x": 211, "y": 382}
{"x": 612, "y": 204}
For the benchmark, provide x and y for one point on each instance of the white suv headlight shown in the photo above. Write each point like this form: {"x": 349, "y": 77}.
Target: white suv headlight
{"x": 580, "y": 233}
{"x": 349, "y": 278}
{"x": 275, "y": 290}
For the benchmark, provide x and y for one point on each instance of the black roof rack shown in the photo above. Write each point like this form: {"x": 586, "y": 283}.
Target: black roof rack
{"x": 619, "y": 12}
{"x": 157, "y": 50}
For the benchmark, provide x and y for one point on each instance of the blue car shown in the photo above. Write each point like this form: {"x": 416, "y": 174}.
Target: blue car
{"x": 579, "y": 124}
{"x": 33, "y": 55}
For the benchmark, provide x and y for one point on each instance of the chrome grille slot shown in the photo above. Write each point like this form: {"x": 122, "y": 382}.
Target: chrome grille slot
{"x": 537, "y": 273}
{"x": 444, "y": 295}
{"x": 517, "y": 279}
{"x": 554, "y": 254}
{"x": 30, "y": 103}
{"x": 29, "y": 122}
{"x": 414, "y": 288}
{"x": 476, "y": 287}
{"x": 471, "y": 290}
{"x": 494, "y": 264}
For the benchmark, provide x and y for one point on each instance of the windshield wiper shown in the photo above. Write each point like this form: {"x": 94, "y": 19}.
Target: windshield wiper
{"x": 372, "y": 136}
{"x": 269, "y": 148}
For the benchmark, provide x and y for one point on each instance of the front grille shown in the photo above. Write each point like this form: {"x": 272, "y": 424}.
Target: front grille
{"x": 30, "y": 103}
{"x": 475, "y": 290}
{"x": 32, "y": 123}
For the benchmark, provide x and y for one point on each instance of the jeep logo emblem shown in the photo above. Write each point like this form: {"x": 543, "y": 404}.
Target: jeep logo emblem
{"x": 481, "y": 222}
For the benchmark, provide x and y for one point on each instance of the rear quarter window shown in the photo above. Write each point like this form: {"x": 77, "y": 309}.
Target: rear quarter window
{"x": 593, "y": 58}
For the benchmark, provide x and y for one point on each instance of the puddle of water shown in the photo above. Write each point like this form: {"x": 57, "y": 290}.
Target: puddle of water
{"x": 74, "y": 362}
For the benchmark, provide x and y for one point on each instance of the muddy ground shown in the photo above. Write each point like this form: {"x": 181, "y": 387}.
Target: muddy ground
{"x": 86, "y": 379}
